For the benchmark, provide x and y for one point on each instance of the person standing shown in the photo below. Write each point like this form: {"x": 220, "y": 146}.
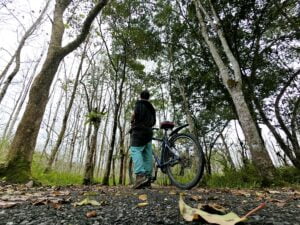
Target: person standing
{"x": 142, "y": 121}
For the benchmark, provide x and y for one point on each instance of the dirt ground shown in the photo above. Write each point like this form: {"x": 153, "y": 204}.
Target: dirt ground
{"x": 97, "y": 204}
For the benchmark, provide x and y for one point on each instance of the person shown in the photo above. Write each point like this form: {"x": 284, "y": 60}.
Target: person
{"x": 142, "y": 121}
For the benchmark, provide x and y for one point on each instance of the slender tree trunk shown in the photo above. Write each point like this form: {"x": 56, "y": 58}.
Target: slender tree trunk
{"x": 90, "y": 158}
{"x": 66, "y": 116}
{"x": 102, "y": 148}
{"x": 118, "y": 100}
{"x": 78, "y": 125}
{"x": 18, "y": 166}
{"x": 227, "y": 152}
{"x": 185, "y": 104}
{"x": 50, "y": 128}
{"x": 113, "y": 171}
{"x": 14, "y": 115}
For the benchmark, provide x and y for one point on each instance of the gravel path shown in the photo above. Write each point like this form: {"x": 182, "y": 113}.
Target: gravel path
{"x": 120, "y": 205}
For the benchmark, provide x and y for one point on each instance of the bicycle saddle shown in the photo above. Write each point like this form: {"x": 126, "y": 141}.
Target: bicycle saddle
{"x": 166, "y": 125}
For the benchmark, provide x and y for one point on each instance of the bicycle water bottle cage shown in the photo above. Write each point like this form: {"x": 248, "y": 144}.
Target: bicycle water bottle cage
{"x": 166, "y": 125}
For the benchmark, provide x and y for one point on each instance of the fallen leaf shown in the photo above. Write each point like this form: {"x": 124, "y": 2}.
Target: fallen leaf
{"x": 142, "y": 204}
{"x": 212, "y": 208}
{"x": 91, "y": 214}
{"x": 55, "y": 205}
{"x": 196, "y": 197}
{"x": 273, "y": 192}
{"x": 241, "y": 192}
{"x": 90, "y": 193}
{"x": 191, "y": 214}
{"x": 6, "y": 205}
{"x": 278, "y": 202}
{"x": 60, "y": 193}
{"x": 172, "y": 192}
{"x": 143, "y": 197}
{"x": 87, "y": 201}
{"x": 29, "y": 184}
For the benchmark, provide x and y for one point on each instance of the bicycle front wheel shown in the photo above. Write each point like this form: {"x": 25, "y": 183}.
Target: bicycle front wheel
{"x": 186, "y": 161}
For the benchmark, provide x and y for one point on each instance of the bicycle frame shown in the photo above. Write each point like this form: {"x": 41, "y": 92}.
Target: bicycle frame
{"x": 165, "y": 146}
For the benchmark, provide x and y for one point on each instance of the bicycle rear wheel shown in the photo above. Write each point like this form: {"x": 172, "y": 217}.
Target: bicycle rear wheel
{"x": 186, "y": 161}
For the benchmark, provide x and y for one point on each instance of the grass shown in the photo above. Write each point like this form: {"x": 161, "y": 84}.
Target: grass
{"x": 54, "y": 177}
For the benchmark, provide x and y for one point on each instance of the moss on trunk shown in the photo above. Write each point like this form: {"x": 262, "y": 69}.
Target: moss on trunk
{"x": 17, "y": 171}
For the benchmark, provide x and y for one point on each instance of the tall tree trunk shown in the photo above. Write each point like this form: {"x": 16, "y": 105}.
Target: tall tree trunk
{"x": 90, "y": 157}
{"x": 118, "y": 100}
{"x": 18, "y": 166}
{"x": 233, "y": 83}
{"x": 78, "y": 125}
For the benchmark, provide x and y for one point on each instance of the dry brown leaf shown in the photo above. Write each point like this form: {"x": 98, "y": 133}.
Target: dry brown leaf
{"x": 196, "y": 197}
{"x": 143, "y": 197}
{"x": 190, "y": 214}
{"x": 91, "y": 214}
{"x": 55, "y": 205}
{"x": 273, "y": 192}
{"x": 6, "y": 205}
{"x": 241, "y": 192}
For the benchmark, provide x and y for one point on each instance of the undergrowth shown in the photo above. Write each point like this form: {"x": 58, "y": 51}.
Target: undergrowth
{"x": 54, "y": 177}
{"x": 248, "y": 178}
{"x": 243, "y": 178}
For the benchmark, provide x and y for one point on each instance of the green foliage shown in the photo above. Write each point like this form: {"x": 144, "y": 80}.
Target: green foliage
{"x": 288, "y": 175}
{"x": 94, "y": 117}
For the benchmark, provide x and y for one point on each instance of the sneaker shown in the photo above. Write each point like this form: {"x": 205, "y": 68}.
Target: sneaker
{"x": 141, "y": 181}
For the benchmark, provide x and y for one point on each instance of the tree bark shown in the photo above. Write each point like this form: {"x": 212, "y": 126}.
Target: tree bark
{"x": 18, "y": 167}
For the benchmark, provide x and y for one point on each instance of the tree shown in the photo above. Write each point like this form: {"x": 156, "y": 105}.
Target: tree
{"x": 17, "y": 168}
{"x": 230, "y": 74}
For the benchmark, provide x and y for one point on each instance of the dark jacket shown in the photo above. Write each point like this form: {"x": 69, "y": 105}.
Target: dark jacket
{"x": 142, "y": 123}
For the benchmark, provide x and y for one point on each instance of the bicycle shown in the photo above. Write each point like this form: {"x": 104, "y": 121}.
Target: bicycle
{"x": 181, "y": 157}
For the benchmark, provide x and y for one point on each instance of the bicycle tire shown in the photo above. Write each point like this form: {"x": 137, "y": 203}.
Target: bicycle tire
{"x": 187, "y": 171}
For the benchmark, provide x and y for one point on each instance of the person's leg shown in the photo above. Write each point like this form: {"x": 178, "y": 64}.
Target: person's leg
{"x": 148, "y": 159}
{"x": 137, "y": 158}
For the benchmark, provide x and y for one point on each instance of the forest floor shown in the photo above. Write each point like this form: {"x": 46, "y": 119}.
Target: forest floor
{"x": 72, "y": 205}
